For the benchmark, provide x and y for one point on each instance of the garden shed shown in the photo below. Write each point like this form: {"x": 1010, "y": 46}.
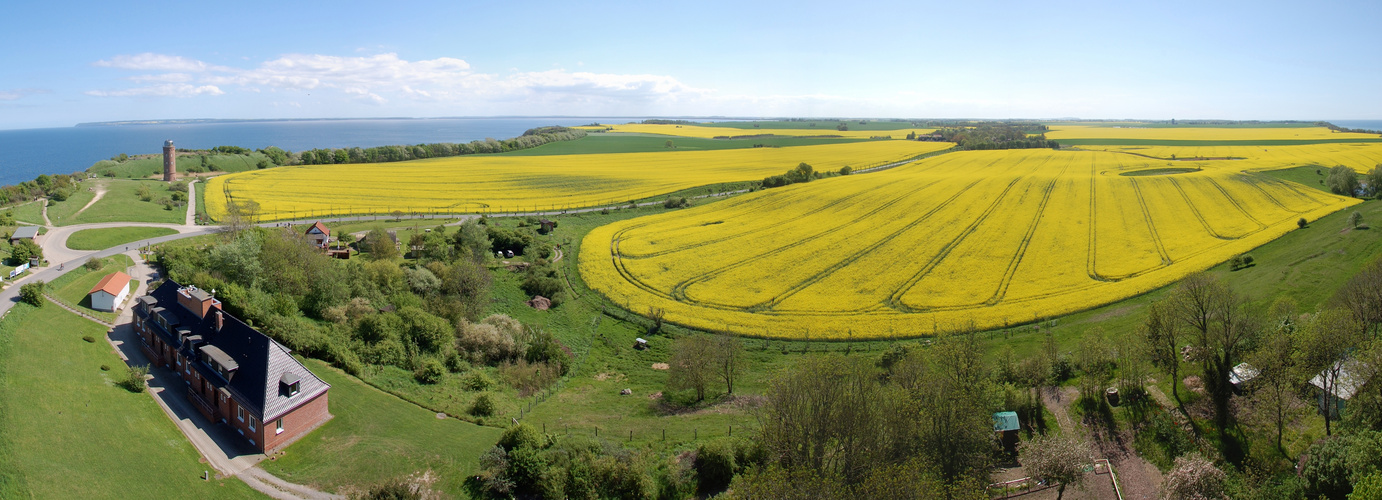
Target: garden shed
{"x": 110, "y": 292}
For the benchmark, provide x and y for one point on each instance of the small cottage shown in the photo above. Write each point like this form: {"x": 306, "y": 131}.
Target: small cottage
{"x": 1338, "y": 383}
{"x": 318, "y": 234}
{"x": 110, "y": 292}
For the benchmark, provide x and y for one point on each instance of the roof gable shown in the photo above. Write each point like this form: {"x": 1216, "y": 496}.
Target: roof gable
{"x": 24, "y": 232}
{"x": 318, "y": 228}
{"x": 112, "y": 283}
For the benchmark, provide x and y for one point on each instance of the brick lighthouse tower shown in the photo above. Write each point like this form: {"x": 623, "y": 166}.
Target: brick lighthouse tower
{"x": 170, "y": 162}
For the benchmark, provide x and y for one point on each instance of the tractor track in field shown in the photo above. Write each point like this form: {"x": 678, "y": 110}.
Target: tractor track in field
{"x": 794, "y": 289}
{"x": 1151, "y": 226}
{"x": 1198, "y": 215}
{"x": 1234, "y": 201}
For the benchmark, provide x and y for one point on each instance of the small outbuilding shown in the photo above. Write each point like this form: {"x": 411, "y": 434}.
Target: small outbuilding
{"x": 318, "y": 234}
{"x": 1241, "y": 376}
{"x": 1005, "y": 427}
{"x": 24, "y": 233}
{"x": 1338, "y": 383}
{"x": 110, "y": 292}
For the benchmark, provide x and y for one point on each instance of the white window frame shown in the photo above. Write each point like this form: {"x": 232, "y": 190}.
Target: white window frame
{"x": 240, "y": 413}
{"x": 252, "y": 428}
{"x": 280, "y": 427}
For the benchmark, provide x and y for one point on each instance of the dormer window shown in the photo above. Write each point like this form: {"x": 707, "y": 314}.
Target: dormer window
{"x": 290, "y": 385}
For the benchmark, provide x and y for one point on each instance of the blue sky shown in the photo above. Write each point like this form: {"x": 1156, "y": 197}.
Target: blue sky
{"x": 70, "y": 62}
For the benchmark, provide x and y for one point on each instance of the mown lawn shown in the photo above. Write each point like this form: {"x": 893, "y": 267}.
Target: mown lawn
{"x": 376, "y": 437}
{"x": 72, "y": 288}
{"x": 103, "y": 238}
{"x": 121, "y": 203}
{"x": 66, "y": 431}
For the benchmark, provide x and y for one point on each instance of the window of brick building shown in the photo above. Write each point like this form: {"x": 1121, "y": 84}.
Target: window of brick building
{"x": 280, "y": 427}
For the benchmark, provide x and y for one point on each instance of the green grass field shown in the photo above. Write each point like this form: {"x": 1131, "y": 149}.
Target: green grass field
{"x": 121, "y": 203}
{"x": 72, "y": 288}
{"x": 376, "y": 437}
{"x": 31, "y": 212}
{"x": 60, "y": 211}
{"x": 103, "y": 238}
{"x": 1312, "y": 176}
{"x": 66, "y": 431}
{"x": 153, "y": 166}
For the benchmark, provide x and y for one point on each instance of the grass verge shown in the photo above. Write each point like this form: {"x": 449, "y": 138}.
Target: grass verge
{"x": 103, "y": 238}
{"x": 66, "y": 431}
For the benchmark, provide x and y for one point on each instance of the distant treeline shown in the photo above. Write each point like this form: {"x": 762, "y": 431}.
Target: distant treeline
{"x": 1337, "y": 128}
{"x": 530, "y": 139}
{"x": 803, "y": 173}
{"x": 983, "y": 137}
{"x": 669, "y": 122}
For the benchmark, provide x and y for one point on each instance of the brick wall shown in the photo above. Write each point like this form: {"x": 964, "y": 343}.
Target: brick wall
{"x": 296, "y": 423}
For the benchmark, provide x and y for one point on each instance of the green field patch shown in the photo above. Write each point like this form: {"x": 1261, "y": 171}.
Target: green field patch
{"x": 121, "y": 203}
{"x": 103, "y": 238}
{"x": 822, "y": 124}
{"x": 375, "y": 437}
{"x": 1159, "y": 171}
{"x": 1309, "y": 175}
{"x": 67, "y": 431}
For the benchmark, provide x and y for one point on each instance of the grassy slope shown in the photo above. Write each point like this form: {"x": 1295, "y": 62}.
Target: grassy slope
{"x": 31, "y": 212}
{"x": 121, "y": 203}
{"x": 103, "y": 238}
{"x": 67, "y": 432}
{"x": 598, "y": 143}
{"x": 62, "y": 210}
{"x": 147, "y": 167}
{"x": 72, "y": 288}
{"x": 376, "y": 437}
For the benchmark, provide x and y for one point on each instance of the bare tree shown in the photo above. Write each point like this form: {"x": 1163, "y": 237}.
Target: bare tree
{"x": 1193, "y": 478}
{"x": 1057, "y": 459}
{"x": 1362, "y": 296}
{"x": 692, "y": 365}
{"x": 729, "y": 360}
{"x": 656, "y": 314}
{"x": 1328, "y": 338}
{"x": 1278, "y": 376}
{"x": 1161, "y": 338}
{"x": 1222, "y": 328}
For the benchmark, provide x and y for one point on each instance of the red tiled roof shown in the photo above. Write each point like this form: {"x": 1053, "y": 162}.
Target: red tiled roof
{"x": 320, "y": 227}
{"x": 112, "y": 284}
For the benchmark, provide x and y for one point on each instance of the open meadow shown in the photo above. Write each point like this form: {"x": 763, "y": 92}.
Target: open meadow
{"x": 471, "y": 184}
{"x": 981, "y": 239}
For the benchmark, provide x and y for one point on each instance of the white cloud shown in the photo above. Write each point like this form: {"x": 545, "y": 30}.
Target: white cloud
{"x": 149, "y": 61}
{"x": 15, "y": 94}
{"x": 162, "y": 78}
{"x": 165, "y": 90}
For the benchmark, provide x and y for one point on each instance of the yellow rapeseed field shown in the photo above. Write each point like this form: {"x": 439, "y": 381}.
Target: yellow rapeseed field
{"x": 970, "y": 239}
{"x": 470, "y": 184}
{"x": 1133, "y": 131}
{"x": 827, "y": 128}
{"x": 1360, "y": 156}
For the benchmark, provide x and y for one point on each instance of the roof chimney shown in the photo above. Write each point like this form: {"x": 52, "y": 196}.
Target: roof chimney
{"x": 220, "y": 320}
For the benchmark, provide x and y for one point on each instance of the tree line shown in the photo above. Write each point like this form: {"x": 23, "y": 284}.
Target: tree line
{"x": 995, "y": 136}
{"x": 530, "y": 139}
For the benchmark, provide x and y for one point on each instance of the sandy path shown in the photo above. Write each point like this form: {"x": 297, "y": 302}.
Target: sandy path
{"x": 100, "y": 191}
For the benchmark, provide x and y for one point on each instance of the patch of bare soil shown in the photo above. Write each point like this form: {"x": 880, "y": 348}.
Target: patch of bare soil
{"x": 661, "y": 366}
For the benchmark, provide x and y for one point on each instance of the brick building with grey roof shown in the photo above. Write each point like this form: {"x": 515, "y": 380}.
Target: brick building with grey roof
{"x": 234, "y": 374}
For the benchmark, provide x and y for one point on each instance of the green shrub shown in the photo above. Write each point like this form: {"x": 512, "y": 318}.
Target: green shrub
{"x": 478, "y": 381}
{"x": 89, "y": 339}
{"x": 93, "y": 264}
{"x": 483, "y": 406}
{"x": 393, "y": 490}
{"x": 430, "y": 372}
{"x": 32, "y": 293}
{"x": 134, "y": 378}
{"x": 522, "y": 436}
{"x": 714, "y": 465}
{"x": 105, "y": 368}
